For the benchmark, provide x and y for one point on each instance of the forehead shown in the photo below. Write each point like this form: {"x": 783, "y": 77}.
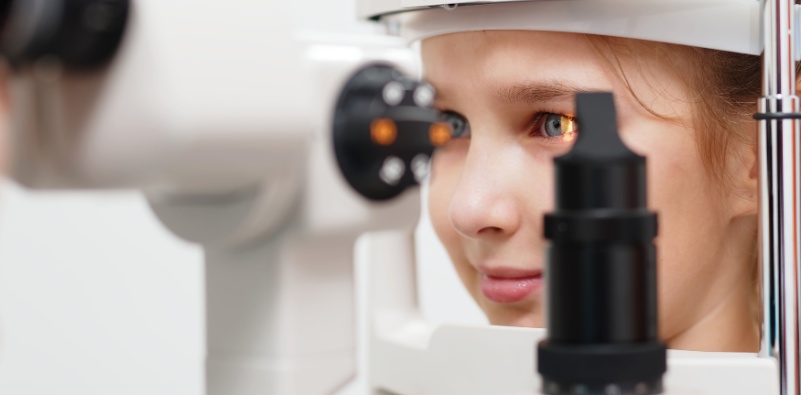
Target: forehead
{"x": 505, "y": 57}
{"x": 484, "y": 62}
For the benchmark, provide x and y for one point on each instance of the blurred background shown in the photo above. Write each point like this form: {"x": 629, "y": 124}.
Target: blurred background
{"x": 96, "y": 297}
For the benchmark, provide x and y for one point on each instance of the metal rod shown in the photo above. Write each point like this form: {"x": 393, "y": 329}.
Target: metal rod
{"x": 779, "y": 193}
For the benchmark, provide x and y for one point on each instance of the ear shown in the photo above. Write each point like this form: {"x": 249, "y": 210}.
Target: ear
{"x": 743, "y": 164}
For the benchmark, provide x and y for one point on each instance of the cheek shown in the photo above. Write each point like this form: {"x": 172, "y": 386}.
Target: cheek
{"x": 691, "y": 221}
{"x": 445, "y": 172}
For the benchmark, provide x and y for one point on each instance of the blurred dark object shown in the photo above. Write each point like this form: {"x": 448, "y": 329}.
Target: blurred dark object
{"x": 79, "y": 34}
{"x": 601, "y": 267}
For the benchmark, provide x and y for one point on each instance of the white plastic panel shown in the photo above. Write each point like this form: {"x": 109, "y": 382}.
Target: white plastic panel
{"x": 467, "y": 360}
{"x": 730, "y": 25}
{"x": 372, "y": 8}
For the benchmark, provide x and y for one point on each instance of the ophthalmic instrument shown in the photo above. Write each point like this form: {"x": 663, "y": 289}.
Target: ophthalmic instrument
{"x": 275, "y": 148}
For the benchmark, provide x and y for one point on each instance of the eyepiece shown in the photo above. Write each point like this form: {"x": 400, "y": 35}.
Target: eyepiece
{"x": 600, "y": 172}
{"x": 385, "y": 131}
{"x": 601, "y": 267}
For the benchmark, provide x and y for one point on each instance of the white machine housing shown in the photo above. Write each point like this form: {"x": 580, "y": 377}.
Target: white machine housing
{"x": 737, "y": 24}
{"x": 227, "y": 131}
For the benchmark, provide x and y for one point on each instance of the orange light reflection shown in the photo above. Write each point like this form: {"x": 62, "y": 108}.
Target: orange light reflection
{"x": 440, "y": 133}
{"x": 383, "y": 131}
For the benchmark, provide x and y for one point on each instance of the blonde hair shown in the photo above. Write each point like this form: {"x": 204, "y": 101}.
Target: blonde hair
{"x": 723, "y": 88}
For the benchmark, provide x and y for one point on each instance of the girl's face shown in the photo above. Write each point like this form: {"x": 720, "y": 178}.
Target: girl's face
{"x": 490, "y": 187}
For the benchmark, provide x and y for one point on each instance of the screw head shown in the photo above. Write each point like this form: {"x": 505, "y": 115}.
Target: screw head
{"x": 420, "y": 167}
{"x": 393, "y": 93}
{"x": 613, "y": 389}
{"x": 392, "y": 170}
{"x": 424, "y": 95}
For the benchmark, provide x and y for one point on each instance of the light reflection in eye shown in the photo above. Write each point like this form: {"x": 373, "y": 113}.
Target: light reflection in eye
{"x": 439, "y": 133}
{"x": 560, "y": 126}
{"x": 458, "y": 124}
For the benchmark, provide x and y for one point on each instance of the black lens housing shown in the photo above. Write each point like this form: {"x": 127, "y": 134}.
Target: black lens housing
{"x": 364, "y": 100}
{"x": 601, "y": 267}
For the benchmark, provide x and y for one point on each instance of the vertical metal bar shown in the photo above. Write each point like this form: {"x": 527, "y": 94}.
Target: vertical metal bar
{"x": 779, "y": 193}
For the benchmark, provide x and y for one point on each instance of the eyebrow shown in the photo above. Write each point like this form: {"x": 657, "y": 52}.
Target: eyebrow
{"x": 538, "y": 92}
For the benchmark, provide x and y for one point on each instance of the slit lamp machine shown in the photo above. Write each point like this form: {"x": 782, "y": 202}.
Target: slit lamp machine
{"x": 275, "y": 148}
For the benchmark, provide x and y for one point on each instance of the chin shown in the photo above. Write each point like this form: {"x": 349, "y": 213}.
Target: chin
{"x": 530, "y": 317}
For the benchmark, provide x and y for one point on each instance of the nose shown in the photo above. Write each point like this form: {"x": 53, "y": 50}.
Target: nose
{"x": 484, "y": 204}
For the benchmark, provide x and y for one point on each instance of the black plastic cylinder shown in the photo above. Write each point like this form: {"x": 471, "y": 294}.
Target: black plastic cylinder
{"x": 601, "y": 293}
{"x": 601, "y": 267}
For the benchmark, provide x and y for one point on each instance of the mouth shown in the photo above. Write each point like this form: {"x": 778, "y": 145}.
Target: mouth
{"x": 508, "y": 285}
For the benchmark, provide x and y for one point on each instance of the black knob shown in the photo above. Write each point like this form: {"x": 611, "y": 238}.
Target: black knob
{"x": 79, "y": 33}
{"x": 601, "y": 267}
{"x": 385, "y": 131}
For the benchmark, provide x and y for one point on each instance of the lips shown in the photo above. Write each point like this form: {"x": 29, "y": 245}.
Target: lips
{"x": 509, "y": 285}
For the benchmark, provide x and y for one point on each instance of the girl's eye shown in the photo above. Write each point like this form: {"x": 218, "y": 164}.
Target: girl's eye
{"x": 458, "y": 124}
{"x": 559, "y": 126}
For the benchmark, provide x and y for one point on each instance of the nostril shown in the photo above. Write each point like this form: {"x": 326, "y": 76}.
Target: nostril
{"x": 490, "y": 230}
{"x": 485, "y": 216}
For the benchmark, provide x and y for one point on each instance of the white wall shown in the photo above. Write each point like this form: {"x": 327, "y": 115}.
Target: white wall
{"x": 95, "y": 298}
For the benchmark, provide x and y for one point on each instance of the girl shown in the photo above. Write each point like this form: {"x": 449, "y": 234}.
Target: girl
{"x": 509, "y": 95}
